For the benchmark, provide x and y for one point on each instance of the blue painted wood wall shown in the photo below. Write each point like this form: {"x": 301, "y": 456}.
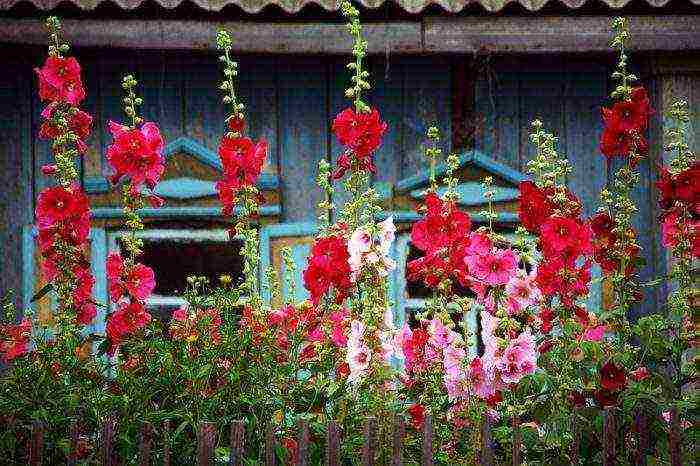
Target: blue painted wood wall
{"x": 292, "y": 101}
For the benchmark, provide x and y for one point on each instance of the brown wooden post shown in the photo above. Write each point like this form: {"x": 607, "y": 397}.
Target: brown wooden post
{"x": 206, "y": 439}
{"x": 674, "y": 439}
{"x": 36, "y": 445}
{"x": 145, "y": 444}
{"x": 369, "y": 445}
{"x": 397, "y": 441}
{"x": 641, "y": 428}
{"x": 166, "y": 443}
{"x": 427, "y": 455}
{"x": 517, "y": 440}
{"x": 73, "y": 448}
{"x": 487, "y": 453}
{"x": 237, "y": 444}
{"x": 106, "y": 439}
{"x": 609, "y": 438}
{"x": 576, "y": 440}
{"x": 270, "y": 445}
{"x": 332, "y": 444}
{"x": 303, "y": 446}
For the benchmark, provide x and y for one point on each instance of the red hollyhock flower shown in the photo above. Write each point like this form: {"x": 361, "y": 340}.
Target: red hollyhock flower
{"x": 534, "y": 206}
{"x": 236, "y": 124}
{"x": 14, "y": 340}
{"x": 242, "y": 160}
{"x": 630, "y": 115}
{"x": 417, "y": 413}
{"x": 641, "y": 373}
{"x": 612, "y": 378}
{"x": 59, "y": 79}
{"x": 127, "y": 320}
{"x": 565, "y": 237}
{"x": 136, "y": 153}
{"x": 605, "y": 398}
{"x": 138, "y": 281}
{"x": 361, "y": 134}
{"x": 80, "y": 123}
{"x": 577, "y": 399}
{"x": 327, "y": 268}
{"x": 56, "y": 205}
{"x": 546, "y": 316}
{"x": 616, "y": 142}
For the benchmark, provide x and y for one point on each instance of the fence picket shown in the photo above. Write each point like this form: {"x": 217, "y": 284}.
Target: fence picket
{"x": 576, "y": 440}
{"x": 206, "y": 439}
{"x": 106, "y": 439}
{"x": 674, "y": 439}
{"x": 368, "y": 451}
{"x": 332, "y": 444}
{"x": 237, "y": 444}
{"x": 303, "y": 449}
{"x": 640, "y": 427}
{"x": 36, "y": 446}
{"x": 397, "y": 441}
{"x": 609, "y": 438}
{"x": 145, "y": 444}
{"x": 487, "y": 453}
{"x": 166, "y": 443}
{"x": 516, "y": 440}
{"x": 270, "y": 442}
{"x": 72, "y": 459}
{"x": 428, "y": 441}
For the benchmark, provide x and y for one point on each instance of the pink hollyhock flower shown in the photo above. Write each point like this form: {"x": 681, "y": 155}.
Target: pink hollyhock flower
{"x": 359, "y": 354}
{"x": 496, "y": 268}
{"x": 481, "y": 379}
{"x": 641, "y": 373}
{"x": 59, "y": 79}
{"x": 518, "y": 359}
{"x": 136, "y": 153}
{"x": 440, "y": 336}
{"x": 387, "y": 234}
{"x": 595, "y": 333}
{"x": 523, "y": 289}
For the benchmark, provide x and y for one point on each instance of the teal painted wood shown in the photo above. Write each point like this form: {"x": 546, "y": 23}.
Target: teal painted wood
{"x": 98, "y": 266}
{"x": 304, "y": 123}
{"x": 338, "y": 81}
{"x": 400, "y": 295}
{"x": 427, "y": 102}
{"x": 16, "y": 170}
{"x": 178, "y": 212}
{"x": 27, "y": 289}
{"x": 472, "y": 194}
{"x": 283, "y": 230}
{"x": 387, "y": 96}
{"x": 497, "y": 114}
{"x": 258, "y": 89}
{"x": 202, "y": 106}
{"x": 161, "y": 85}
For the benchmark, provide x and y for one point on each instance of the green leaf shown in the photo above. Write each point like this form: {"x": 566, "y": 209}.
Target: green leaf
{"x": 42, "y": 292}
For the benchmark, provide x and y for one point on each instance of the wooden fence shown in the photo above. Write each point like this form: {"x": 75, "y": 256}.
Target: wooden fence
{"x": 207, "y": 441}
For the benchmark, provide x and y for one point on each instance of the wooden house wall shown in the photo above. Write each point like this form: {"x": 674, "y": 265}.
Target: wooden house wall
{"x": 292, "y": 100}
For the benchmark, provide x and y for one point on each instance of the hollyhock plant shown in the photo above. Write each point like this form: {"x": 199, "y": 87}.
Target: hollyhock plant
{"x": 60, "y": 81}
{"x": 136, "y": 280}
{"x": 365, "y": 251}
{"x": 328, "y": 268}
{"x": 15, "y": 340}
{"x": 361, "y": 133}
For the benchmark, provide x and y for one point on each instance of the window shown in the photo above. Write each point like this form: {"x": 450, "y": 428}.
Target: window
{"x": 175, "y": 255}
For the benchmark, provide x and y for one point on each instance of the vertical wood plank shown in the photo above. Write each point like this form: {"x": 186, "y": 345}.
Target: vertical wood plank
{"x": 145, "y": 444}
{"x": 160, "y": 83}
{"x": 303, "y": 121}
{"x": 166, "y": 443}
{"x": 387, "y": 96}
{"x": 73, "y": 434}
{"x": 338, "y": 81}
{"x": 258, "y": 89}
{"x": 36, "y": 446}
{"x": 332, "y": 444}
{"x": 203, "y": 109}
{"x": 641, "y": 429}
{"x": 92, "y": 159}
{"x": 303, "y": 443}
{"x": 16, "y": 164}
{"x": 427, "y": 103}
{"x": 674, "y": 439}
{"x": 517, "y": 440}
{"x": 106, "y": 439}
{"x": 487, "y": 453}
{"x": 270, "y": 445}
{"x": 609, "y": 438}
{"x": 369, "y": 445}
{"x": 399, "y": 431}
{"x": 427, "y": 445}
{"x": 206, "y": 440}
{"x": 113, "y": 66}
{"x": 237, "y": 443}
